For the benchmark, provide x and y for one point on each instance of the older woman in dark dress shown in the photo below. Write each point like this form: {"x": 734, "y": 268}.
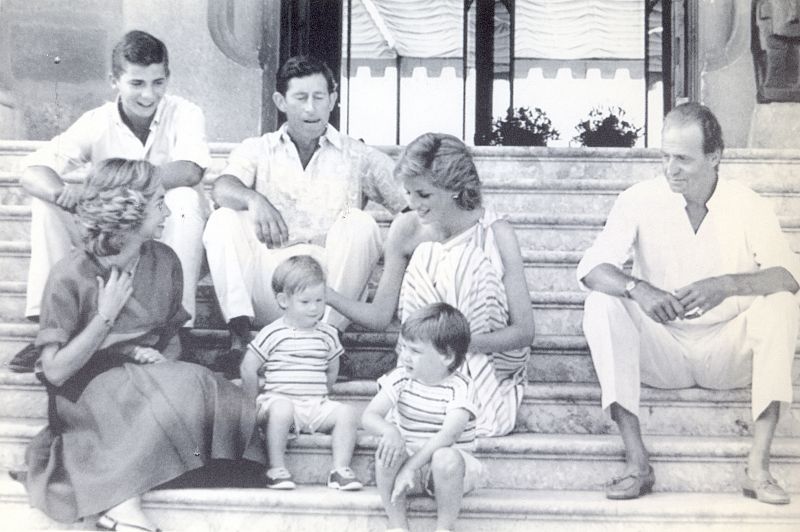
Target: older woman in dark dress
{"x": 124, "y": 417}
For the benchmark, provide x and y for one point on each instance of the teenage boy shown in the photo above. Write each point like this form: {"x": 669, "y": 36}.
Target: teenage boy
{"x": 425, "y": 444}
{"x": 289, "y": 369}
{"x": 142, "y": 123}
{"x": 298, "y": 190}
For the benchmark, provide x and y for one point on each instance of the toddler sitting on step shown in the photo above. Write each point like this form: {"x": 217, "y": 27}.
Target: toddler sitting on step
{"x": 289, "y": 369}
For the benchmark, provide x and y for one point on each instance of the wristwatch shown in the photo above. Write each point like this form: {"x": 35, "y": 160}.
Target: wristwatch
{"x": 630, "y": 285}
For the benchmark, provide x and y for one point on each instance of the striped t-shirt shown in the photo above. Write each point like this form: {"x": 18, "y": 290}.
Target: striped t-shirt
{"x": 296, "y": 360}
{"x": 419, "y": 409}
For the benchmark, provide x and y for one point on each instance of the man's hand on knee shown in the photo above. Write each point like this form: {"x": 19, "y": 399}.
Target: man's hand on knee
{"x": 269, "y": 224}
{"x": 659, "y": 305}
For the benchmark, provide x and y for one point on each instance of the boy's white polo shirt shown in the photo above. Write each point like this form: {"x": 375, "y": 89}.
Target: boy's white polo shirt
{"x": 177, "y": 133}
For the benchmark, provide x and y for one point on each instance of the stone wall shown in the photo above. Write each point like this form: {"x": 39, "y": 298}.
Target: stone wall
{"x": 728, "y": 85}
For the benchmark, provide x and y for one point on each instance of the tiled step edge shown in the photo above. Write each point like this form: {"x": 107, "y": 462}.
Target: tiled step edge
{"x": 501, "y": 510}
{"x": 23, "y": 212}
{"x": 567, "y": 393}
{"x": 585, "y": 446}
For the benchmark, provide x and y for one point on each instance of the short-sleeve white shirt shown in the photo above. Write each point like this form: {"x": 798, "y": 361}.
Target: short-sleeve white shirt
{"x": 648, "y": 223}
{"x": 177, "y": 133}
{"x": 341, "y": 171}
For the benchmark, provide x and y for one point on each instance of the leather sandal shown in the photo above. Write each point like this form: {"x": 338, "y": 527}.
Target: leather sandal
{"x": 106, "y": 522}
{"x": 631, "y": 486}
{"x": 767, "y": 490}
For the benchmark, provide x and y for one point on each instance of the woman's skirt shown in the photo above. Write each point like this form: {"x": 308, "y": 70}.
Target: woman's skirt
{"x": 133, "y": 428}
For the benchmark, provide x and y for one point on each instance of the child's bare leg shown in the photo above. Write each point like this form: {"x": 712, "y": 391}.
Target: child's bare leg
{"x": 343, "y": 429}
{"x": 280, "y": 417}
{"x": 447, "y": 468}
{"x": 395, "y": 511}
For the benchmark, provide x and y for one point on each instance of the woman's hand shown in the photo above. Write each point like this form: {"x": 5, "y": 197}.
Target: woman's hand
{"x": 112, "y": 295}
{"x": 146, "y": 355}
{"x": 69, "y": 196}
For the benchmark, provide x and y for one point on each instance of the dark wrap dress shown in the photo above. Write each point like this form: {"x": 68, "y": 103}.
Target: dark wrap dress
{"x": 117, "y": 428}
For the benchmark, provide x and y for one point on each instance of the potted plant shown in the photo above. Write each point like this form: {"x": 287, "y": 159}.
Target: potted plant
{"x": 607, "y": 129}
{"x": 523, "y": 127}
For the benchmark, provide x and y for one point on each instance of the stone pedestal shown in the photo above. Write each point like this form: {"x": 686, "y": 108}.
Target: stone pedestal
{"x": 775, "y": 126}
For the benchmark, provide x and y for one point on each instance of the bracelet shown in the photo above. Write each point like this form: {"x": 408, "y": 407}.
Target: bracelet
{"x": 106, "y": 320}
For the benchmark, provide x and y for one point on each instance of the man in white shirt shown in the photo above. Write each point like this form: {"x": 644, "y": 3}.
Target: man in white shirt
{"x": 142, "y": 123}
{"x": 298, "y": 190}
{"x": 709, "y": 302}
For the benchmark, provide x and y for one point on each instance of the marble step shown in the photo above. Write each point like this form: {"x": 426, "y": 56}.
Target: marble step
{"x": 512, "y": 510}
{"x": 544, "y": 270}
{"x": 531, "y": 461}
{"x": 552, "y": 408}
{"x": 542, "y": 232}
{"x": 550, "y": 194}
{"x": 554, "y": 313}
{"x": 554, "y": 358}
{"x": 560, "y": 232}
{"x": 367, "y": 355}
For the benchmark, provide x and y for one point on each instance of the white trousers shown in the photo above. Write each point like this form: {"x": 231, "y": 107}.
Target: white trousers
{"x": 241, "y": 266}
{"x": 755, "y": 348}
{"x": 54, "y": 232}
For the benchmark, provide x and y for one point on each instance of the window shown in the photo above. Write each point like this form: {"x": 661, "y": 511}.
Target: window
{"x": 410, "y": 66}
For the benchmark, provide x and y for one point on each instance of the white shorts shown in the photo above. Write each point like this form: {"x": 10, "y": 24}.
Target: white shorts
{"x": 309, "y": 412}
{"x": 474, "y": 475}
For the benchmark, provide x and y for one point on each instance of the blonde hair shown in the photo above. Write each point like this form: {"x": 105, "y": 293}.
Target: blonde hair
{"x": 114, "y": 202}
{"x": 446, "y": 162}
{"x": 296, "y": 274}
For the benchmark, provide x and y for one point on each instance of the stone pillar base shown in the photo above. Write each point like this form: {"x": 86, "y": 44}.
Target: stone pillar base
{"x": 775, "y": 126}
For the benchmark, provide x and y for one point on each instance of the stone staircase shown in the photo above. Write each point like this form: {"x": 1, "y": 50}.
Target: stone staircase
{"x": 549, "y": 474}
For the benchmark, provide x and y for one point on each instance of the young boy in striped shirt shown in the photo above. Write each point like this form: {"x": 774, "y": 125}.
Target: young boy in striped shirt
{"x": 289, "y": 369}
{"x": 425, "y": 444}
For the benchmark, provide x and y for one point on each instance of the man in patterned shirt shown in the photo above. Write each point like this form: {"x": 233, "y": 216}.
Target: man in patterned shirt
{"x": 425, "y": 445}
{"x": 298, "y": 190}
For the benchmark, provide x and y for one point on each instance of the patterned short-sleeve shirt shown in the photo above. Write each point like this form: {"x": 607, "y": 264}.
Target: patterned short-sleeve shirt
{"x": 339, "y": 175}
{"x": 419, "y": 409}
{"x": 295, "y": 361}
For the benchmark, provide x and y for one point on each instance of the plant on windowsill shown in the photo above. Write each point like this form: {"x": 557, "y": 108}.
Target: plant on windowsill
{"x": 523, "y": 127}
{"x": 607, "y": 129}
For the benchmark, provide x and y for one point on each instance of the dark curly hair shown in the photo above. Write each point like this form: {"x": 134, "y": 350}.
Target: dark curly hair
{"x": 301, "y": 66}
{"x": 140, "y": 48}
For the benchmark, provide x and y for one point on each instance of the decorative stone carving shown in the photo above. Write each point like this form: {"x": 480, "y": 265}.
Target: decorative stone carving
{"x": 235, "y": 27}
{"x": 776, "y": 50}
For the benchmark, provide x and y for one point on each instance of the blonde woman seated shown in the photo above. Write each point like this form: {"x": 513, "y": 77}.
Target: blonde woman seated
{"x": 123, "y": 417}
{"x": 452, "y": 249}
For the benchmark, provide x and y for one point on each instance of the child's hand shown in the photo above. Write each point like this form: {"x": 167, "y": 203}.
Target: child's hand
{"x": 146, "y": 355}
{"x": 403, "y": 482}
{"x": 391, "y": 448}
